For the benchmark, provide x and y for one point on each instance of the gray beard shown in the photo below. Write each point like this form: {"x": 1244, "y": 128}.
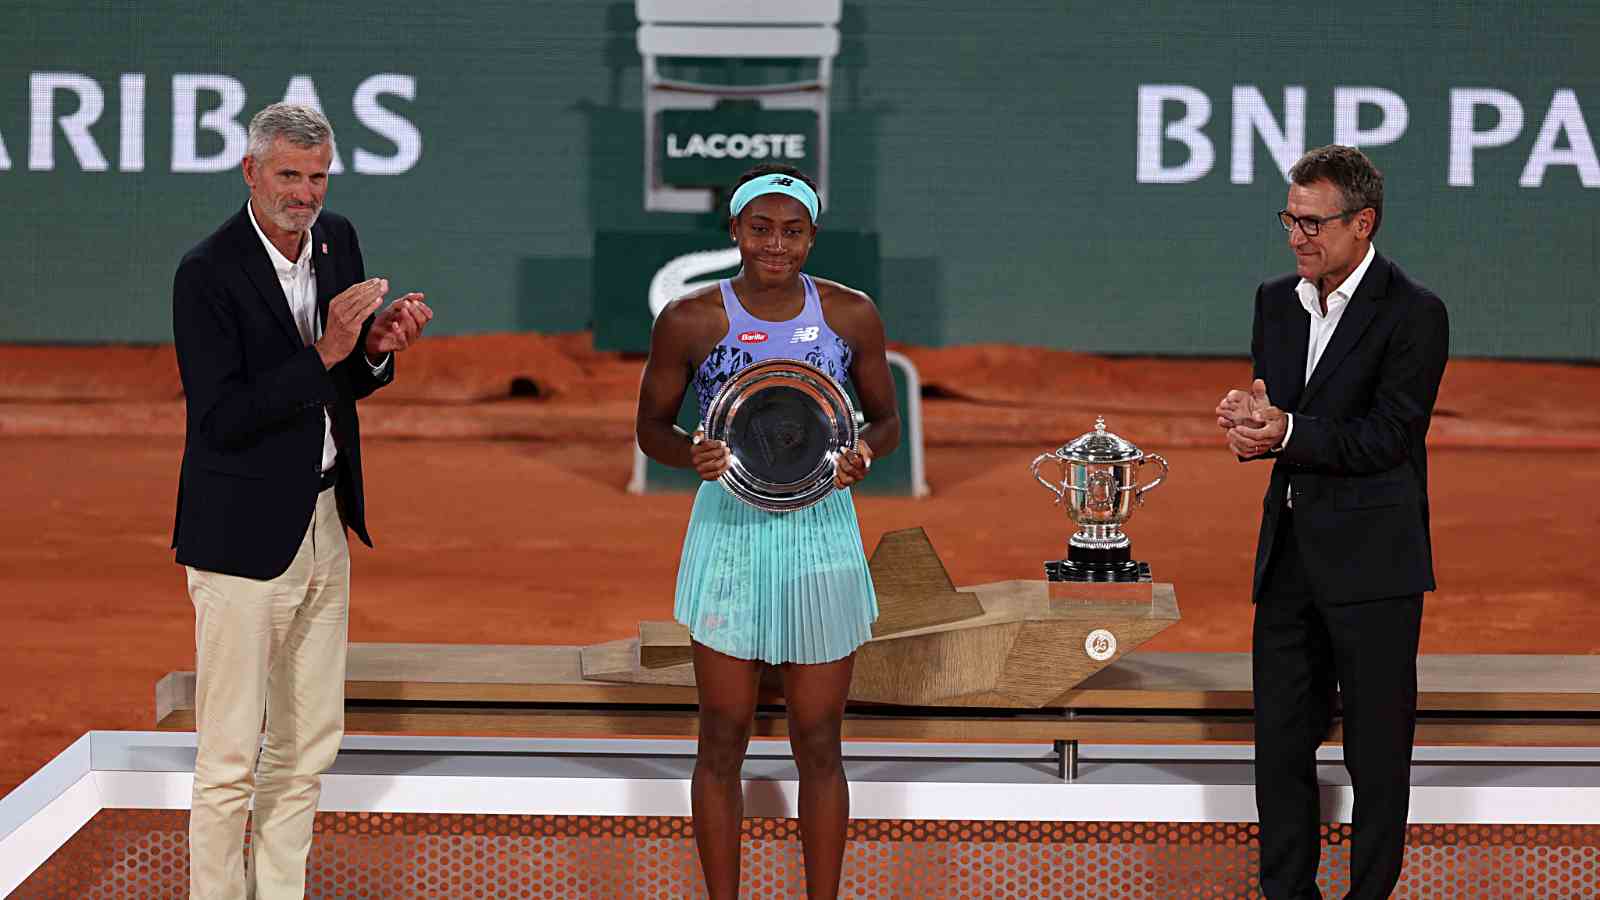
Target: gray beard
{"x": 281, "y": 219}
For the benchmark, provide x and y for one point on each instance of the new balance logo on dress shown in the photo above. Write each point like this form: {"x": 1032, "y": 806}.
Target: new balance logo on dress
{"x": 804, "y": 335}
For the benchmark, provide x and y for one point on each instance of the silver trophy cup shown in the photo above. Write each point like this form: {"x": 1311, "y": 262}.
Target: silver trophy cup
{"x": 1097, "y": 484}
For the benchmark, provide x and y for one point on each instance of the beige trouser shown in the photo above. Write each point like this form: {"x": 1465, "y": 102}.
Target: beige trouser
{"x": 276, "y": 646}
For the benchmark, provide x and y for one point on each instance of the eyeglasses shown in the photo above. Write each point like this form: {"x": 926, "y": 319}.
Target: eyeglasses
{"x": 1311, "y": 225}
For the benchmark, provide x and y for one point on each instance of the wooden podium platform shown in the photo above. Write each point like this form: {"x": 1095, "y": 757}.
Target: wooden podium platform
{"x": 1007, "y": 661}
{"x": 540, "y": 691}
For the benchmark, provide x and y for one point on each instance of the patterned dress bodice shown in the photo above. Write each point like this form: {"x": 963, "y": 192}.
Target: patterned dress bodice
{"x": 750, "y": 340}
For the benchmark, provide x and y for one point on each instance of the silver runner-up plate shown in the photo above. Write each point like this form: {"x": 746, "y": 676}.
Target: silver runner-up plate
{"x": 785, "y": 423}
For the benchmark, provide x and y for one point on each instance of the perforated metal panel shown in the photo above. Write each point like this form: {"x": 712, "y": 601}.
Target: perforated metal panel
{"x": 143, "y": 854}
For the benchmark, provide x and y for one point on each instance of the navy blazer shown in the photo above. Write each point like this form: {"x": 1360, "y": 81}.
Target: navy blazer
{"x": 254, "y": 396}
{"x": 1358, "y": 458}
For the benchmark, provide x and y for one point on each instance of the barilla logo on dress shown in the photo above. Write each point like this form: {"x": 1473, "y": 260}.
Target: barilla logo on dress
{"x": 752, "y": 337}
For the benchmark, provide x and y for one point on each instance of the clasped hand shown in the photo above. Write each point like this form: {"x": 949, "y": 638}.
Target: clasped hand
{"x": 1253, "y": 425}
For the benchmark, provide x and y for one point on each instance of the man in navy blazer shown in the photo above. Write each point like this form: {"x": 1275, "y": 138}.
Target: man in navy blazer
{"x": 278, "y": 333}
{"x": 1352, "y": 351}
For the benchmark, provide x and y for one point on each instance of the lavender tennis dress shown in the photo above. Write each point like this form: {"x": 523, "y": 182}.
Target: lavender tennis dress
{"x": 787, "y": 587}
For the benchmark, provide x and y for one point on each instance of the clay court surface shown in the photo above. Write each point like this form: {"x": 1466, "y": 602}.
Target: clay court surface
{"x": 503, "y": 519}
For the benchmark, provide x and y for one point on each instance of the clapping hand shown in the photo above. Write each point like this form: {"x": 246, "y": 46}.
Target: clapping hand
{"x": 346, "y": 313}
{"x": 1257, "y": 427}
{"x": 398, "y": 326}
{"x": 1234, "y": 410}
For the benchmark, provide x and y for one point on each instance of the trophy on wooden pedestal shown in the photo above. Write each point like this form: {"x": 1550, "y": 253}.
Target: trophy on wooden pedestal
{"x": 1098, "y": 487}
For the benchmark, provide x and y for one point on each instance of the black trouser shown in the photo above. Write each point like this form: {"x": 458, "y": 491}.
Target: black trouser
{"x": 1306, "y": 648}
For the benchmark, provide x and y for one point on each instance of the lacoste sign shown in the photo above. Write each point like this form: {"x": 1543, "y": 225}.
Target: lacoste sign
{"x": 737, "y": 146}
{"x": 712, "y": 147}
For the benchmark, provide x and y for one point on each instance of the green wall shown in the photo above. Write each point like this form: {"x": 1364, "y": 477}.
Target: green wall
{"x": 991, "y": 147}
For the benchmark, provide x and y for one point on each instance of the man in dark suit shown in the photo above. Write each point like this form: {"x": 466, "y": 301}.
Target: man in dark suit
{"x": 278, "y": 333}
{"x": 1352, "y": 350}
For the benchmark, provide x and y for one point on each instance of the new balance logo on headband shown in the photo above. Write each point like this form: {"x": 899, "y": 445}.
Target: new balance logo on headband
{"x": 804, "y": 335}
{"x": 775, "y": 184}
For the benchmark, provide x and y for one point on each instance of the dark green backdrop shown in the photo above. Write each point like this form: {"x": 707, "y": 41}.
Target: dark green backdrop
{"x": 991, "y": 147}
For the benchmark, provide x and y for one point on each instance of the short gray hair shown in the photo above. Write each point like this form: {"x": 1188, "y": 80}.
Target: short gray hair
{"x": 300, "y": 125}
{"x": 1359, "y": 182}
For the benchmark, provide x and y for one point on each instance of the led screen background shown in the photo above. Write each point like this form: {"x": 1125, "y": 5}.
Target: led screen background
{"x": 1036, "y": 172}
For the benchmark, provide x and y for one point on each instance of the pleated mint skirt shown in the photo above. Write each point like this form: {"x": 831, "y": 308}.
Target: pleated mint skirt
{"x": 777, "y": 587}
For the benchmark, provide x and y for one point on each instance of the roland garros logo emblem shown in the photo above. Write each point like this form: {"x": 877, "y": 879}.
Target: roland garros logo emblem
{"x": 752, "y": 337}
{"x": 1101, "y": 645}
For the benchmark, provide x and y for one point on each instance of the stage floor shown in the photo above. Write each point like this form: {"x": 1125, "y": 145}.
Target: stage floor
{"x": 463, "y": 817}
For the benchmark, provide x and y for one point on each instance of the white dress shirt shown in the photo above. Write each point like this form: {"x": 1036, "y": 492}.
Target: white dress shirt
{"x": 299, "y": 282}
{"x": 1323, "y": 324}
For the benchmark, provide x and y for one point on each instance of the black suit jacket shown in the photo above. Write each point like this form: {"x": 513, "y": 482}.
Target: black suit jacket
{"x": 252, "y": 449}
{"x": 1357, "y": 460}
